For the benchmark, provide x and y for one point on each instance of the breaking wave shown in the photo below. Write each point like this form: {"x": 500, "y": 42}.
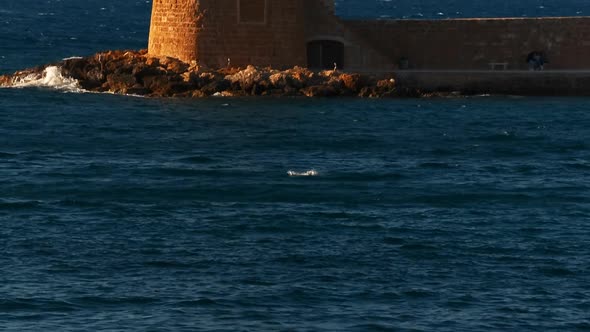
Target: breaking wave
{"x": 311, "y": 172}
{"x": 51, "y": 77}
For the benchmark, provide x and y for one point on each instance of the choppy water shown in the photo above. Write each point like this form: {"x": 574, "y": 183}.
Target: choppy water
{"x": 448, "y": 215}
{"x": 130, "y": 214}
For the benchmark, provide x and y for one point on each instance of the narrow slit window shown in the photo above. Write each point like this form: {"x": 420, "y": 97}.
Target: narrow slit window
{"x": 252, "y": 11}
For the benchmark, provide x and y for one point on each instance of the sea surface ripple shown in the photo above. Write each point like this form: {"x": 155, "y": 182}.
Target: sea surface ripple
{"x": 131, "y": 214}
{"x": 123, "y": 213}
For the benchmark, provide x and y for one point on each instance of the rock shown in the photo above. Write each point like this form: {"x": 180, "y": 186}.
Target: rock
{"x": 320, "y": 91}
{"x": 386, "y": 88}
{"x": 386, "y": 83}
{"x": 206, "y": 78}
{"x": 259, "y": 88}
{"x": 5, "y": 80}
{"x": 245, "y": 79}
{"x": 198, "y": 94}
{"x": 300, "y": 77}
{"x": 278, "y": 80}
{"x": 190, "y": 77}
{"x": 291, "y": 92}
{"x": 120, "y": 83}
{"x": 216, "y": 86}
{"x": 335, "y": 82}
{"x": 228, "y": 94}
{"x": 139, "y": 90}
{"x": 142, "y": 72}
{"x": 352, "y": 82}
{"x": 94, "y": 78}
{"x": 281, "y": 80}
{"x": 137, "y": 73}
{"x": 76, "y": 68}
{"x": 328, "y": 73}
{"x": 152, "y": 62}
{"x": 159, "y": 85}
{"x": 224, "y": 94}
{"x": 174, "y": 65}
{"x": 366, "y": 92}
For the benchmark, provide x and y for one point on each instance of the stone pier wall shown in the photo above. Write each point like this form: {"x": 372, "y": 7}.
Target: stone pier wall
{"x": 476, "y": 43}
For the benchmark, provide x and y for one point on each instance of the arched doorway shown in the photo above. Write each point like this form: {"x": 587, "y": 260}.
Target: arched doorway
{"x": 323, "y": 54}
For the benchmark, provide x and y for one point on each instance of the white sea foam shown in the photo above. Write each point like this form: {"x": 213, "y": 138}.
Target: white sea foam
{"x": 311, "y": 172}
{"x": 51, "y": 77}
{"x": 73, "y": 58}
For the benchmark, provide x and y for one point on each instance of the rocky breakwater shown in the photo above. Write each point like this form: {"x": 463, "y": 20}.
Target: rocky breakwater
{"x": 137, "y": 73}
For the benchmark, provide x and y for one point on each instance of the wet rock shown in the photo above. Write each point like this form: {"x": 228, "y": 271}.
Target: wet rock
{"x": 366, "y": 92}
{"x": 216, "y": 86}
{"x": 320, "y": 91}
{"x": 198, "y": 94}
{"x": 76, "y": 68}
{"x": 120, "y": 83}
{"x": 290, "y": 92}
{"x": 159, "y": 85}
{"x": 5, "y": 80}
{"x": 143, "y": 74}
{"x": 139, "y": 90}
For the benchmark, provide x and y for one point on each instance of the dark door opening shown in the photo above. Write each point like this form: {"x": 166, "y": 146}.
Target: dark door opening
{"x": 323, "y": 54}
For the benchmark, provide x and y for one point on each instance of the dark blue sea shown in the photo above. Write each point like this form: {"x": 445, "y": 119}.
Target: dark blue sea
{"x": 132, "y": 214}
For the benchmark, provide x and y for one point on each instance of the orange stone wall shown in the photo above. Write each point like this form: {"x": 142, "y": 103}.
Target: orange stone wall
{"x": 475, "y": 43}
{"x": 174, "y": 29}
{"x": 278, "y": 41}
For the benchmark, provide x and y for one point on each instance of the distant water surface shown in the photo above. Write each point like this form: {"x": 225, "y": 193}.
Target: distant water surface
{"x": 462, "y": 8}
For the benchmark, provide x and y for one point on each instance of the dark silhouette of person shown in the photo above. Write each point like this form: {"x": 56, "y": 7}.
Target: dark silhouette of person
{"x": 536, "y": 60}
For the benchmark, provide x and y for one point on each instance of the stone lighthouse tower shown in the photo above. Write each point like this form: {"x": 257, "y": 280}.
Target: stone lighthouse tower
{"x": 243, "y": 32}
{"x": 174, "y": 29}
